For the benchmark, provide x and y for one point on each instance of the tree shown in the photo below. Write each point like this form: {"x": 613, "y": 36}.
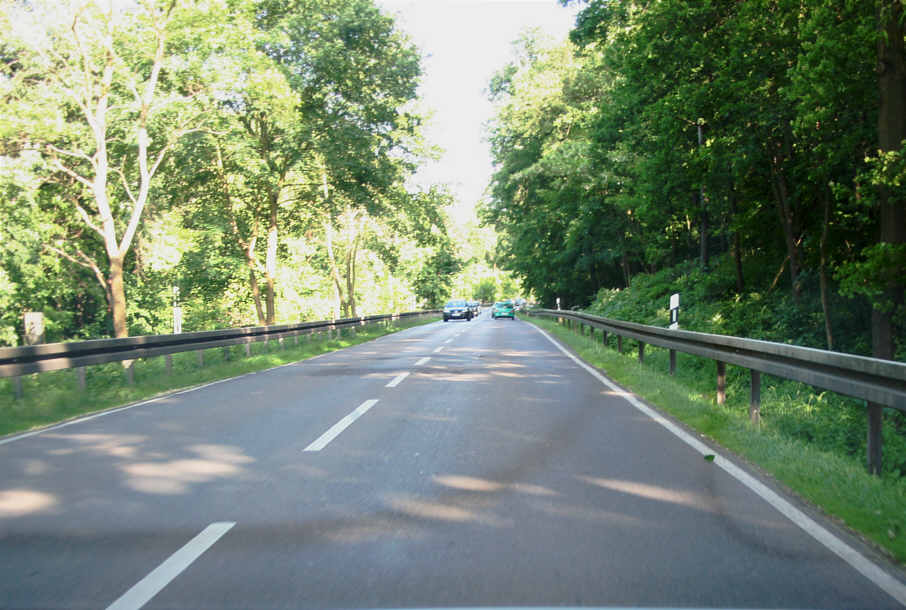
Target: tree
{"x": 350, "y": 73}
{"x": 94, "y": 88}
{"x": 434, "y": 282}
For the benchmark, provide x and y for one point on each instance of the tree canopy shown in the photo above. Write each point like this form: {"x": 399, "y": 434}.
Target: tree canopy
{"x": 247, "y": 159}
{"x": 669, "y": 131}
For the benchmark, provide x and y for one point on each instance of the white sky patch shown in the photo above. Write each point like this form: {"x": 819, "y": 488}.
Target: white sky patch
{"x": 464, "y": 42}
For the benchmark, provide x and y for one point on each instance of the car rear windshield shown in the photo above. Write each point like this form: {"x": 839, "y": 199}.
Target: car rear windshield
{"x": 456, "y": 304}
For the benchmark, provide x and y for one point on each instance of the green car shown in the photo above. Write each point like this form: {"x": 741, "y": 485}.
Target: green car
{"x": 503, "y": 309}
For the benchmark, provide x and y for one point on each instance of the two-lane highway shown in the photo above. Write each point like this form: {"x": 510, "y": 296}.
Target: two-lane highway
{"x": 451, "y": 464}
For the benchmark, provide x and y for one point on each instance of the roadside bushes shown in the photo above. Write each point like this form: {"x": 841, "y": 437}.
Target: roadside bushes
{"x": 708, "y": 303}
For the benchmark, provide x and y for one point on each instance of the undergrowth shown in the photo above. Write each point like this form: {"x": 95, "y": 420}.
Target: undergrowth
{"x": 709, "y": 303}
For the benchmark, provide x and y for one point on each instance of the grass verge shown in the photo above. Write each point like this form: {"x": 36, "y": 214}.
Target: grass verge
{"x": 873, "y": 507}
{"x": 55, "y": 396}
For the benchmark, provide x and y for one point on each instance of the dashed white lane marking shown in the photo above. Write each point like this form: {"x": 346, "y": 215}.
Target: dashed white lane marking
{"x": 438, "y": 349}
{"x": 859, "y": 562}
{"x": 423, "y": 361}
{"x": 145, "y": 589}
{"x": 341, "y": 425}
{"x": 396, "y": 380}
{"x": 448, "y": 340}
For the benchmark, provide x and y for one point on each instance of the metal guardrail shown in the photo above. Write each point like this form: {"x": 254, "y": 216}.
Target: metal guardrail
{"x": 16, "y": 361}
{"x": 882, "y": 383}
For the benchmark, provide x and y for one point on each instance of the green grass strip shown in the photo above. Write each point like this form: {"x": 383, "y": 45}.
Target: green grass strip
{"x": 52, "y": 397}
{"x": 873, "y": 507}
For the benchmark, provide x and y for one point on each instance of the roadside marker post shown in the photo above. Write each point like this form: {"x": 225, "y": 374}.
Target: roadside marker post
{"x": 674, "y": 311}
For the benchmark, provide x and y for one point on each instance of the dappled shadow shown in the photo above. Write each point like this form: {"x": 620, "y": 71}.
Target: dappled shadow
{"x": 69, "y": 473}
{"x": 211, "y": 462}
{"x": 19, "y": 502}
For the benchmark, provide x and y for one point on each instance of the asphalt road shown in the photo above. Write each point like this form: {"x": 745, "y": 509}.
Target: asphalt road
{"x": 452, "y": 464}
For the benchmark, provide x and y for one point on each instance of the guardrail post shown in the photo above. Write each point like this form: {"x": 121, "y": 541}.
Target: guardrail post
{"x": 129, "y": 370}
{"x": 641, "y": 352}
{"x": 755, "y": 398}
{"x": 673, "y": 362}
{"x": 200, "y": 358}
{"x": 721, "y": 382}
{"x": 620, "y": 343}
{"x": 874, "y": 448}
{"x": 168, "y": 360}
{"x": 604, "y": 337}
{"x": 248, "y": 349}
{"x": 80, "y": 372}
{"x": 17, "y": 387}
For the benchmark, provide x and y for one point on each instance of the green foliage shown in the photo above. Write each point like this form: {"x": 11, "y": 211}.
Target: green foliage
{"x": 266, "y": 118}
{"x": 486, "y": 292}
{"x": 678, "y": 135}
{"x": 434, "y": 283}
{"x": 708, "y": 304}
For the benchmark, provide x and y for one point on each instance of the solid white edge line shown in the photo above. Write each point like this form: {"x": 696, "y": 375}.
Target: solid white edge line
{"x": 112, "y": 410}
{"x": 152, "y": 584}
{"x": 423, "y": 361}
{"x": 335, "y": 430}
{"x": 396, "y": 380}
{"x": 856, "y": 560}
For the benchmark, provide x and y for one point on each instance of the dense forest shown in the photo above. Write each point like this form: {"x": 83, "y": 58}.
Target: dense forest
{"x": 248, "y": 160}
{"x": 748, "y": 154}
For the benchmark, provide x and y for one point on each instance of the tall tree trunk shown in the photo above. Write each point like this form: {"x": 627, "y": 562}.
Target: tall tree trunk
{"x": 891, "y": 133}
{"x": 253, "y": 279}
{"x": 788, "y": 224}
{"x": 624, "y": 265}
{"x": 737, "y": 246}
{"x": 118, "y": 297}
{"x": 270, "y": 262}
{"x": 822, "y": 270}
{"x": 248, "y": 247}
{"x": 704, "y": 254}
{"x": 351, "y": 274}
{"x": 340, "y": 303}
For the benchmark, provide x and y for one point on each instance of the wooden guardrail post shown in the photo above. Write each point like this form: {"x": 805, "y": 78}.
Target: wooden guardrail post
{"x": 620, "y": 343}
{"x": 673, "y": 362}
{"x": 721, "y": 382}
{"x": 604, "y": 337}
{"x": 874, "y": 445}
{"x": 755, "y": 398}
{"x": 80, "y": 372}
{"x": 641, "y": 352}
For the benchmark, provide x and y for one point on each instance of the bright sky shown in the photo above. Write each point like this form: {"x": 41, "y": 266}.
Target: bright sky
{"x": 463, "y": 43}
